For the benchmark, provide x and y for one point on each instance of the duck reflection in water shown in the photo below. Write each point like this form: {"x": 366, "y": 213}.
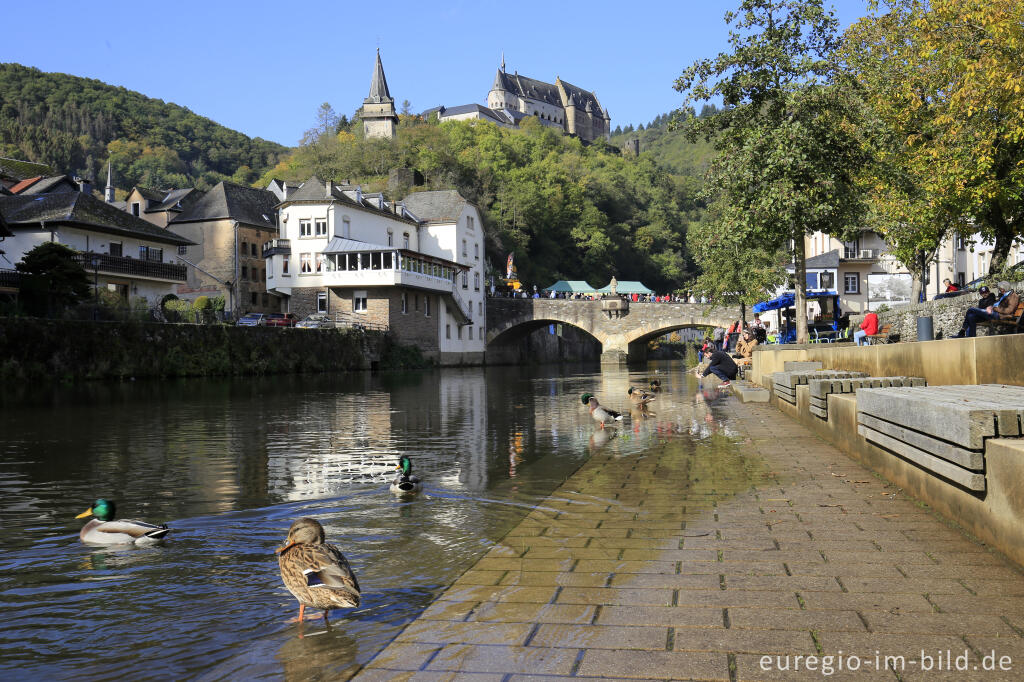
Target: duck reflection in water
{"x": 600, "y": 437}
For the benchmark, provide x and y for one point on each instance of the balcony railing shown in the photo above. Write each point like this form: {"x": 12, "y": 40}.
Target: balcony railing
{"x": 10, "y": 279}
{"x": 277, "y": 247}
{"x": 132, "y": 267}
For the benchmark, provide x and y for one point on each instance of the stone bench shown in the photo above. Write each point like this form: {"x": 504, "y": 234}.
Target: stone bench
{"x": 821, "y": 388}
{"x": 784, "y": 383}
{"x": 942, "y": 429}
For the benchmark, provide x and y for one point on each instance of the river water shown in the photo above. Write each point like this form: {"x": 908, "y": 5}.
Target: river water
{"x": 229, "y": 464}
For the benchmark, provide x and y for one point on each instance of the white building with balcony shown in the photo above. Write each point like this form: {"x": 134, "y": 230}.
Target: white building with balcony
{"x": 366, "y": 261}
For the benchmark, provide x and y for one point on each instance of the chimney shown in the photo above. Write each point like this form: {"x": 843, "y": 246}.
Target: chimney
{"x": 327, "y": 185}
{"x": 108, "y": 195}
{"x": 84, "y": 186}
{"x": 359, "y": 194}
{"x": 284, "y": 191}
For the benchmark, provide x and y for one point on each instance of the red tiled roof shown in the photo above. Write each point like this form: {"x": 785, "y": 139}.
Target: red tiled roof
{"x": 25, "y": 184}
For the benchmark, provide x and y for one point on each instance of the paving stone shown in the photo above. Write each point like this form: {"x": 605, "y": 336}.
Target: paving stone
{"x": 504, "y": 659}
{"x": 781, "y": 619}
{"x": 743, "y": 641}
{"x": 655, "y": 664}
{"x": 404, "y": 656}
{"x": 601, "y": 637}
{"x": 674, "y": 616}
{"x": 555, "y": 578}
{"x": 465, "y": 633}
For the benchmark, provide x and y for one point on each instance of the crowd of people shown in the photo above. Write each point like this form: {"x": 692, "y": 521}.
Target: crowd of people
{"x": 685, "y": 297}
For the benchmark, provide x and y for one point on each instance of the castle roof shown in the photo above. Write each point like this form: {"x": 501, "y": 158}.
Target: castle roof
{"x": 528, "y": 87}
{"x": 496, "y": 116}
{"x": 379, "y": 85}
{"x": 579, "y": 96}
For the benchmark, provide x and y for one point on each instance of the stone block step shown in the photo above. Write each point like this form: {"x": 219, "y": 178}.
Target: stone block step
{"x": 947, "y": 470}
{"x": 800, "y": 366}
{"x": 968, "y": 459}
{"x": 962, "y": 415}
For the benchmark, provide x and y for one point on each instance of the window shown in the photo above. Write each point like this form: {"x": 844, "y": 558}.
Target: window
{"x": 476, "y": 281}
{"x": 470, "y": 333}
{"x": 245, "y": 272}
{"x": 346, "y": 227}
{"x": 464, "y": 250}
{"x": 465, "y": 279}
{"x": 136, "y": 208}
{"x": 252, "y": 250}
{"x": 305, "y": 263}
{"x": 115, "y": 248}
{"x": 405, "y": 303}
{"x": 476, "y": 251}
{"x": 270, "y": 267}
{"x": 851, "y": 249}
{"x": 426, "y": 306}
{"x": 480, "y": 307}
{"x": 391, "y": 238}
{"x": 305, "y": 228}
{"x": 469, "y": 222}
{"x": 182, "y": 250}
{"x": 151, "y": 253}
{"x": 960, "y": 243}
{"x": 827, "y": 280}
{"x": 481, "y": 333}
{"x": 405, "y": 240}
{"x": 960, "y": 280}
{"x": 851, "y": 281}
{"x": 245, "y": 248}
{"x": 321, "y": 227}
{"x": 458, "y": 333}
{"x": 284, "y": 265}
{"x": 447, "y": 331}
{"x": 321, "y": 301}
{"x": 359, "y": 301}
{"x": 320, "y": 262}
{"x": 253, "y": 298}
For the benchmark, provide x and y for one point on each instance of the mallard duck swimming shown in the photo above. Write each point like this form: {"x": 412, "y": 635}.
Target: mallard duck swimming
{"x": 104, "y": 530}
{"x": 599, "y": 413}
{"x": 639, "y": 397}
{"x": 316, "y": 573}
{"x": 405, "y": 483}
{"x": 655, "y": 385}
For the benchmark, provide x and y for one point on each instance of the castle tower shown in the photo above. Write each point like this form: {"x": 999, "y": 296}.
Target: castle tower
{"x": 108, "y": 193}
{"x": 379, "y": 118}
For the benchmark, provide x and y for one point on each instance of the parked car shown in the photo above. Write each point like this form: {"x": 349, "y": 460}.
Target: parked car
{"x": 252, "y": 320}
{"x": 281, "y": 319}
{"x": 316, "y": 321}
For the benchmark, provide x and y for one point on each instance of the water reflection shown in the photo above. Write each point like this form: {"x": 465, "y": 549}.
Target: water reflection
{"x": 230, "y": 464}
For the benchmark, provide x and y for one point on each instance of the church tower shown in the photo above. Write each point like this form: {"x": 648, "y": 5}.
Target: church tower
{"x": 108, "y": 192}
{"x": 378, "y": 115}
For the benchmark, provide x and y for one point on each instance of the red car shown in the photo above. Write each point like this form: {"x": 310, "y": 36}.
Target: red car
{"x": 281, "y": 320}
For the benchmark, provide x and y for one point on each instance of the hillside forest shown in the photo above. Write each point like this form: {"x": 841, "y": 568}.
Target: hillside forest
{"x": 77, "y": 124}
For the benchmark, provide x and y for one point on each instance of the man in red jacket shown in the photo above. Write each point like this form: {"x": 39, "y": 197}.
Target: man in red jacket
{"x": 868, "y": 327}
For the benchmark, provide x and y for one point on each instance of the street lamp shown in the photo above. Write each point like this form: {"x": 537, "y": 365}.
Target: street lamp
{"x": 95, "y": 261}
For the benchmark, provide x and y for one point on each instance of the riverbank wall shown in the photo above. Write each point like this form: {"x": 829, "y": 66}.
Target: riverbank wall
{"x": 39, "y": 350}
{"x": 996, "y": 515}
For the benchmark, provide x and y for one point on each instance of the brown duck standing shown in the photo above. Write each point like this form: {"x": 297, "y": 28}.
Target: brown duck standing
{"x": 316, "y": 573}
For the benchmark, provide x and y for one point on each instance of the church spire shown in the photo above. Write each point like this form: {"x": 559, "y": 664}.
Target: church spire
{"x": 108, "y": 194}
{"x": 379, "y": 85}
{"x": 503, "y": 61}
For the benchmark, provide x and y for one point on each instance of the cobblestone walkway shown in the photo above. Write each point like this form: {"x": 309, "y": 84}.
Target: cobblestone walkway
{"x": 696, "y": 564}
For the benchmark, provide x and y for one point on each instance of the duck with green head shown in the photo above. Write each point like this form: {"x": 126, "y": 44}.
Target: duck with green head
{"x": 601, "y": 414}
{"x": 105, "y": 530}
{"x": 405, "y": 483}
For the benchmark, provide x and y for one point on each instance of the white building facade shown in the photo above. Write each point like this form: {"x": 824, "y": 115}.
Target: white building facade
{"x": 365, "y": 261}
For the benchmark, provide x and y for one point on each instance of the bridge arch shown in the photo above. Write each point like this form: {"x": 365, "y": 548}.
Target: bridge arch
{"x": 623, "y": 335}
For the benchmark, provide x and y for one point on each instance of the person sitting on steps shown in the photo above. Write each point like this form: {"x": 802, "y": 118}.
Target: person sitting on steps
{"x": 1005, "y": 307}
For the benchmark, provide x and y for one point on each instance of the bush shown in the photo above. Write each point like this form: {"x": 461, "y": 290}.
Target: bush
{"x": 201, "y": 303}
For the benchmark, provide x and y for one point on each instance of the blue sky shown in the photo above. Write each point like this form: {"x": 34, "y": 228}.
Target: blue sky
{"x": 264, "y": 68}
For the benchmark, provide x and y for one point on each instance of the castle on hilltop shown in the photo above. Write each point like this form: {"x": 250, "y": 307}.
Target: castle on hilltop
{"x": 512, "y": 98}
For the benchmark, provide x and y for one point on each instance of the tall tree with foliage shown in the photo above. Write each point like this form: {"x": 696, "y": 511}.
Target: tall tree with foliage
{"x": 944, "y": 79}
{"x": 787, "y": 135}
{"x": 51, "y": 279}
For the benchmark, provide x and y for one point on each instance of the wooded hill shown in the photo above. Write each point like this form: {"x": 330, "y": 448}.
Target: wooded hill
{"x": 76, "y": 124}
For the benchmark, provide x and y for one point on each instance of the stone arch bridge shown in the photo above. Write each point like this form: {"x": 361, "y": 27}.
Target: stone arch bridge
{"x": 622, "y": 328}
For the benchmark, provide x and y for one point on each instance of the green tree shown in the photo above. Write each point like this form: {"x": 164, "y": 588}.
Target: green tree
{"x": 943, "y": 79}
{"x": 787, "y": 136}
{"x": 52, "y": 280}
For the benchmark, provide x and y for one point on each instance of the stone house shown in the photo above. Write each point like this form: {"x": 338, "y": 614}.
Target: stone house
{"x": 159, "y": 206}
{"x": 364, "y": 260}
{"x": 227, "y": 226}
{"x": 125, "y": 254}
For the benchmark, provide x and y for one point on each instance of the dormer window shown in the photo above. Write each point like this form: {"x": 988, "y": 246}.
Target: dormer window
{"x": 136, "y": 208}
